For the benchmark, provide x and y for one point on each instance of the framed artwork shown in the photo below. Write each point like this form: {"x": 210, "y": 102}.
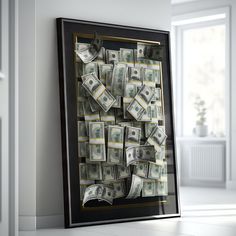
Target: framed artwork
{"x": 117, "y": 125}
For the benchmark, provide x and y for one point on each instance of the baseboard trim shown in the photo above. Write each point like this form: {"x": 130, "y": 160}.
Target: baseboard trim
{"x": 52, "y": 221}
{"x": 231, "y": 185}
{"x": 27, "y": 223}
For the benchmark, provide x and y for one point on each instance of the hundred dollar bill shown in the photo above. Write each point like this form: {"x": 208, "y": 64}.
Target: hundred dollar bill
{"x": 103, "y": 70}
{"x": 141, "y": 169}
{"x": 154, "y": 171}
{"x": 132, "y": 136}
{"x": 147, "y": 115}
{"x": 80, "y": 47}
{"x": 99, "y": 192}
{"x": 108, "y": 79}
{"x": 98, "y": 91}
{"x": 155, "y": 116}
{"x": 160, "y": 155}
{"x": 149, "y": 188}
{"x": 91, "y": 67}
{"x": 112, "y": 56}
{"x": 90, "y": 52}
{"x": 127, "y": 56}
{"x": 94, "y": 171}
{"x": 88, "y": 114}
{"x": 157, "y": 96}
{"x": 115, "y": 145}
{"x": 161, "y": 188}
{"x": 101, "y": 56}
{"x": 157, "y": 138}
{"x": 97, "y": 149}
{"x": 82, "y": 131}
{"x": 150, "y": 51}
{"x": 108, "y": 172}
{"x": 117, "y": 103}
{"x": 119, "y": 189}
{"x": 151, "y": 77}
{"x": 125, "y": 123}
{"x": 149, "y": 127}
{"x": 134, "y": 76}
{"x": 140, "y": 125}
{"x": 118, "y": 79}
{"x": 140, "y": 102}
{"x": 136, "y": 187}
{"x": 139, "y": 153}
{"x": 123, "y": 172}
{"x": 83, "y": 150}
{"x": 129, "y": 93}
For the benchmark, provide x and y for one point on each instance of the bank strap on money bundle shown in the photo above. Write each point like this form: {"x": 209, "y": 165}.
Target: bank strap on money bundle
{"x": 97, "y": 149}
{"x": 98, "y": 91}
{"x": 139, "y": 104}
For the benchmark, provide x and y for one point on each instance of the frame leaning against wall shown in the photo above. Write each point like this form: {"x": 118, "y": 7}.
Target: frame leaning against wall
{"x": 114, "y": 36}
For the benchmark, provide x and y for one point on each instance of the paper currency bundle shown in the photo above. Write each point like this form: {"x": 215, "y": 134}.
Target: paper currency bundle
{"x": 120, "y": 113}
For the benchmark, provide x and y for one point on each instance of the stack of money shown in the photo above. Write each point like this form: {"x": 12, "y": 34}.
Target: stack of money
{"x": 98, "y": 91}
{"x": 135, "y": 154}
{"x": 121, "y": 133}
{"x": 132, "y": 136}
{"x": 140, "y": 102}
{"x": 115, "y": 145}
{"x": 156, "y": 138}
{"x": 97, "y": 149}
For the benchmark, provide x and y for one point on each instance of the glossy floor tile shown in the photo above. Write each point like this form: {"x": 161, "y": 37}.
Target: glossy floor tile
{"x": 205, "y": 212}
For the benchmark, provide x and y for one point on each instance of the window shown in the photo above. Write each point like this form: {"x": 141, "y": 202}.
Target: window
{"x": 200, "y": 48}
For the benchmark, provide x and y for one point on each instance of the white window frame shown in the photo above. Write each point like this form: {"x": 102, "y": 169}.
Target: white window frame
{"x": 199, "y": 19}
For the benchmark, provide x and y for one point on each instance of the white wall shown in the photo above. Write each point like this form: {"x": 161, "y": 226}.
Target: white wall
{"x": 200, "y": 5}
{"x": 41, "y": 124}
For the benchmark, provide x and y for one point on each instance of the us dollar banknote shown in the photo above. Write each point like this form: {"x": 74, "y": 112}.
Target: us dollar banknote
{"x": 141, "y": 169}
{"x": 139, "y": 153}
{"x": 82, "y": 131}
{"x": 118, "y": 79}
{"x": 157, "y": 138}
{"x": 123, "y": 172}
{"x": 140, "y": 102}
{"x": 99, "y": 192}
{"x": 103, "y": 70}
{"x": 132, "y": 136}
{"x": 127, "y": 56}
{"x": 94, "y": 171}
{"x": 119, "y": 189}
{"x": 91, "y": 67}
{"x": 115, "y": 145}
{"x": 108, "y": 117}
{"x": 112, "y": 56}
{"x": 97, "y": 149}
{"x": 98, "y": 91}
{"x": 154, "y": 171}
{"x": 149, "y": 188}
{"x": 136, "y": 187}
{"x": 135, "y": 76}
{"x": 150, "y": 51}
{"x": 161, "y": 188}
{"x": 150, "y": 77}
{"x": 88, "y": 53}
{"x": 109, "y": 172}
{"x": 89, "y": 115}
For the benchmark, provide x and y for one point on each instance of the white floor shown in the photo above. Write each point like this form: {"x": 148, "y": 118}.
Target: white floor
{"x": 205, "y": 212}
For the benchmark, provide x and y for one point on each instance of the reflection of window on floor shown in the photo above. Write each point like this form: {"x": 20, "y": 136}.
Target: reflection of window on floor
{"x": 201, "y": 74}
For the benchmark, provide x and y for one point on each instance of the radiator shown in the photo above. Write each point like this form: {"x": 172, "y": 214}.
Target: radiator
{"x": 207, "y": 162}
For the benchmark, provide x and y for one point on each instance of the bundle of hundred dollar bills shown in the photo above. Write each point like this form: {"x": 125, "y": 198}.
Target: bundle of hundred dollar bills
{"x": 121, "y": 123}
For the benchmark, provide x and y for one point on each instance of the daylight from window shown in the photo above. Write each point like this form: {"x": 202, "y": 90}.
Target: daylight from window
{"x": 204, "y": 77}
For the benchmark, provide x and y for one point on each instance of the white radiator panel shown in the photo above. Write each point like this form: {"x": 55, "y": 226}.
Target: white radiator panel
{"x": 207, "y": 162}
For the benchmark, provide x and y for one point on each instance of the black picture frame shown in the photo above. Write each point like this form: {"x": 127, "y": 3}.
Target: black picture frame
{"x": 126, "y": 209}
